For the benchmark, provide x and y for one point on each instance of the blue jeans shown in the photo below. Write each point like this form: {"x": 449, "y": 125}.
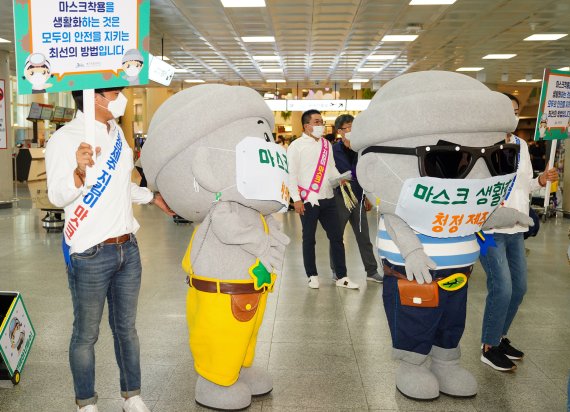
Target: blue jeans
{"x": 506, "y": 270}
{"x": 112, "y": 272}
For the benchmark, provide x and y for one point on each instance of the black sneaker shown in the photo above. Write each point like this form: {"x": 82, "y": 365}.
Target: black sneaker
{"x": 507, "y": 349}
{"x": 497, "y": 360}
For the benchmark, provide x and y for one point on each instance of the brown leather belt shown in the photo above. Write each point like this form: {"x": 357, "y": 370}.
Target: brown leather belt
{"x": 225, "y": 287}
{"x": 389, "y": 271}
{"x": 117, "y": 240}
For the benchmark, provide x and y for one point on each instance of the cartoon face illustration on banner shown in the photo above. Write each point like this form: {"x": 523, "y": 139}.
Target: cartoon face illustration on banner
{"x": 132, "y": 64}
{"x": 262, "y": 171}
{"x": 37, "y": 71}
{"x": 451, "y": 207}
{"x": 17, "y": 335}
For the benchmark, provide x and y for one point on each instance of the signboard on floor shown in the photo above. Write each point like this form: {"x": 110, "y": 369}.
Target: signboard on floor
{"x": 3, "y": 116}
{"x": 553, "y": 118}
{"x": 73, "y": 45}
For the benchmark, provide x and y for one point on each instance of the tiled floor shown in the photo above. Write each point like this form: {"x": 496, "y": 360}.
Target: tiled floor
{"x": 327, "y": 349}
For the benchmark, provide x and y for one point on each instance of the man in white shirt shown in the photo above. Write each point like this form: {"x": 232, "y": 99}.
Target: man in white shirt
{"x": 311, "y": 165}
{"x": 505, "y": 264}
{"x": 100, "y": 249}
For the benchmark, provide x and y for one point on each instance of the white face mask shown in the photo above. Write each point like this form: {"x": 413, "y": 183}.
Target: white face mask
{"x": 117, "y": 107}
{"x": 38, "y": 79}
{"x": 132, "y": 71}
{"x": 318, "y": 131}
{"x": 347, "y": 135}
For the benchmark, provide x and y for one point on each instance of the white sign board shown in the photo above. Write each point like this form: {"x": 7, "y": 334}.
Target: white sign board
{"x": 321, "y": 105}
{"x": 16, "y": 336}
{"x": 159, "y": 71}
{"x": 451, "y": 207}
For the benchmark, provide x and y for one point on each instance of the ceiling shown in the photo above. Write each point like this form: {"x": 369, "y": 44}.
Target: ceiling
{"x": 326, "y": 42}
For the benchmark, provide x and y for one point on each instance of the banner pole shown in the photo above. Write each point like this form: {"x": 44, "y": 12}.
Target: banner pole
{"x": 89, "y": 114}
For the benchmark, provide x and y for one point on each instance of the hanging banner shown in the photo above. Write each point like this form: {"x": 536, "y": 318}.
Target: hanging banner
{"x": 3, "y": 116}
{"x": 75, "y": 45}
{"x": 451, "y": 207}
{"x": 553, "y": 118}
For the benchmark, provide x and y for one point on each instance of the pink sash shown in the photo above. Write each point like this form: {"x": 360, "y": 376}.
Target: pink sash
{"x": 317, "y": 180}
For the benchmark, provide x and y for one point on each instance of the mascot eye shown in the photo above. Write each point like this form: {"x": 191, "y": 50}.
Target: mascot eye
{"x": 260, "y": 122}
{"x": 267, "y": 139}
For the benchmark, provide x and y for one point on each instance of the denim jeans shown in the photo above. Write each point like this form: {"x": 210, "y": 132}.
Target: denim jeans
{"x": 506, "y": 270}
{"x": 112, "y": 272}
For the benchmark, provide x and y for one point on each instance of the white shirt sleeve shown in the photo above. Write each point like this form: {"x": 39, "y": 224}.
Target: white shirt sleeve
{"x": 60, "y": 166}
{"x": 140, "y": 195}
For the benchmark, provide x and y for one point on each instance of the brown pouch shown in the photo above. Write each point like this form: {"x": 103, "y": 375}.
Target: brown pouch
{"x": 414, "y": 294}
{"x": 244, "y": 306}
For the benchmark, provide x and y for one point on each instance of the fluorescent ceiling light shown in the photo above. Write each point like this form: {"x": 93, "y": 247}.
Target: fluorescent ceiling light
{"x": 566, "y": 69}
{"x": 243, "y": 3}
{"x": 258, "y": 39}
{"x": 381, "y": 57}
{"x": 194, "y": 81}
{"x": 400, "y": 37}
{"x": 4, "y": 40}
{"x": 180, "y": 71}
{"x": 275, "y": 81}
{"x": 369, "y": 69}
{"x": 430, "y": 2}
{"x": 499, "y": 56}
{"x": 544, "y": 37}
{"x": 469, "y": 69}
{"x": 271, "y": 70}
{"x": 529, "y": 81}
{"x": 267, "y": 58}
{"x": 358, "y": 81}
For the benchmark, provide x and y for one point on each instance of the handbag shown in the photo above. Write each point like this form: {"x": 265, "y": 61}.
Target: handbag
{"x": 412, "y": 293}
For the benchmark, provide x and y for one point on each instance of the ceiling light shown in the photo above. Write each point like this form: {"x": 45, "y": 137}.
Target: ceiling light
{"x": 243, "y": 3}
{"x": 358, "y": 80}
{"x": 164, "y": 58}
{"x": 194, "y": 81}
{"x": 381, "y": 57}
{"x": 565, "y": 69}
{"x": 4, "y": 40}
{"x": 275, "y": 81}
{"x": 499, "y": 56}
{"x": 271, "y": 70}
{"x": 469, "y": 69}
{"x": 400, "y": 37}
{"x": 369, "y": 69}
{"x": 258, "y": 39}
{"x": 430, "y": 2}
{"x": 267, "y": 58}
{"x": 529, "y": 81}
{"x": 544, "y": 37}
{"x": 180, "y": 71}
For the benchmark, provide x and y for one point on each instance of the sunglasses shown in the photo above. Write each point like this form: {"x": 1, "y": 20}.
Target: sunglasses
{"x": 448, "y": 160}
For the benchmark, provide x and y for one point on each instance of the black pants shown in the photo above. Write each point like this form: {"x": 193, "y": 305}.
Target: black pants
{"x": 327, "y": 214}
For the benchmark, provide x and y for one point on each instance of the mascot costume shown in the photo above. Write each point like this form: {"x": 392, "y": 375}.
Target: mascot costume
{"x": 430, "y": 155}
{"x": 211, "y": 155}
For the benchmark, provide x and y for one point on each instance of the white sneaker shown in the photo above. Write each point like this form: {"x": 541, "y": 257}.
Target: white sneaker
{"x": 134, "y": 404}
{"x": 345, "y": 282}
{"x": 314, "y": 282}
{"x": 88, "y": 408}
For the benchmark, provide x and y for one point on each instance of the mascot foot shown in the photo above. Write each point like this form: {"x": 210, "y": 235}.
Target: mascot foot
{"x": 226, "y": 398}
{"x": 454, "y": 380}
{"x": 257, "y": 379}
{"x": 413, "y": 379}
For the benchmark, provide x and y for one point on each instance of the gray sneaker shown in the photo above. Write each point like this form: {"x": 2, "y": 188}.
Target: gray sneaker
{"x": 377, "y": 277}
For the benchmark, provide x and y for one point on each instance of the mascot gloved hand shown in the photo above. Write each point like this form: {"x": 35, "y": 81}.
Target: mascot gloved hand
{"x": 210, "y": 153}
{"x": 429, "y": 155}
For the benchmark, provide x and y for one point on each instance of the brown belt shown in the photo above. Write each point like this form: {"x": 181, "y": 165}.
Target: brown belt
{"x": 117, "y": 240}
{"x": 225, "y": 287}
{"x": 392, "y": 272}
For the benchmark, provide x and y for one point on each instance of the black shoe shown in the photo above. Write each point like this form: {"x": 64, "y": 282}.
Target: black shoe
{"x": 507, "y": 349}
{"x": 496, "y": 359}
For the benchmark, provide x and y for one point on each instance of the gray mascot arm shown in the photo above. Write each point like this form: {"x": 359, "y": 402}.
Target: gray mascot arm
{"x": 234, "y": 228}
{"x": 278, "y": 241}
{"x": 504, "y": 217}
{"x": 417, "y": 262}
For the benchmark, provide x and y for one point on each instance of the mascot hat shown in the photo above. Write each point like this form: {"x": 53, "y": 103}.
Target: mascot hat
{"x": 414, "y": 105}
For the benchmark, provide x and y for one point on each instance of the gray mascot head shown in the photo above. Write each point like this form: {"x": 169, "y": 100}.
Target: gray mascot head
{"x": 190, "y": 152}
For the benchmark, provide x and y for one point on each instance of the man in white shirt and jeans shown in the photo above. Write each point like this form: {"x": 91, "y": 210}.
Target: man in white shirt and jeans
{"x": 100, "y": 249}
{"x": 311, "y": 165}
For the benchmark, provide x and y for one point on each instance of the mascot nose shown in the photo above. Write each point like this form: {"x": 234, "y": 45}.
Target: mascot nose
{"x": 479, "y": 171}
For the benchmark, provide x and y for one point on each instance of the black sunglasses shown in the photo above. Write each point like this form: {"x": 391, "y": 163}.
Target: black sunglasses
{"x": 448, "y": 160}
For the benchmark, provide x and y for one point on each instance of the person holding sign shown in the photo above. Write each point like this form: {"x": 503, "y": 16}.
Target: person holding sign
{"x": 346, "y": 159}
{"x": 99, "y": 245}
{"x": 505, "y": 265}
{"x": 311, "y": 169}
